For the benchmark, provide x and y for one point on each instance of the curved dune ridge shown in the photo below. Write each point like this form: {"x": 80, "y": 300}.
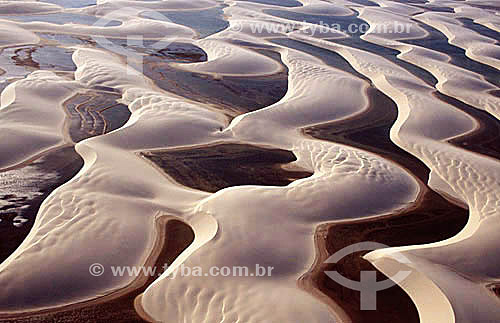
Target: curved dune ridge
{"x": 478, "y": 47}
{"x": 38, "y": 129}
{"x": 110, "y": 211}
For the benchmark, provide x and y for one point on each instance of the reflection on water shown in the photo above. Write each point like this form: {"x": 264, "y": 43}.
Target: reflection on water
{"x": 204, "y": 22}
{"x": 22, "y": 190}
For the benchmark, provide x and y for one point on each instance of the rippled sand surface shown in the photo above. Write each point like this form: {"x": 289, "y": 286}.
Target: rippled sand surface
{"x": 241, "y": 133}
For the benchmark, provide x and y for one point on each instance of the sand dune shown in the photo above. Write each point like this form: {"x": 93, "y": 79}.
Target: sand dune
{"x": 453, "y": 172}
{"x": 316, "y": 7}
{"x": 228, "y": 60}
{"x": 457, "y": 82}
{"x": 32, "y": 123}
{"x": 65, "y": 220}
{"x": 27, "y": 7}
{"x": 13, "y": 35}
{"x": 479, "y": 16}
{"x": 480, "y": 48}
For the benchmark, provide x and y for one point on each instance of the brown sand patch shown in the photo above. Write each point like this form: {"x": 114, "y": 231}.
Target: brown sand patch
{"x": 212, "y": 168}
{"x": 495, "y": 93}
{"x": 94, "y": 113}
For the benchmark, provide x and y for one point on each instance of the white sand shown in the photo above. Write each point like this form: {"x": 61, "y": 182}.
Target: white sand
{"x": 385, "y": 24}
{"x": 32, "y": 122}
{"x": 322, "y": 8}
{"x": 27, "y": 7}
{"x": 10, "y": 35}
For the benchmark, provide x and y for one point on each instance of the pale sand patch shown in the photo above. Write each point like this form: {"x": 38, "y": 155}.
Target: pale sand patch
{"x": 32, "y": 120}
{"x": 388, "y": 25}
{"x": 27, "y": 7}
{"x": 11, "y": 34}
{"x": 315, "y": 7}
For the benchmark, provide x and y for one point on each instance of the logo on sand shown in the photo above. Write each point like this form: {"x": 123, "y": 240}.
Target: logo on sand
{"x": 125, "y": 15}
{"x": 97, "y": 270}
{"x": 368, "y": 286}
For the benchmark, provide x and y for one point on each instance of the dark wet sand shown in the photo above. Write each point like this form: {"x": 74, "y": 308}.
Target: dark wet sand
{"x": 437, "y": 41}
{"x": 45, "y": 57}
{"x": 174, "y": 237}
{"x": 212, "y": 168}
{"x": 486, "y": 139}
{"x": 93, "y": 113}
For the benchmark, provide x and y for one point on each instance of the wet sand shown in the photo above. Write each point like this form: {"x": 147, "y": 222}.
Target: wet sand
{"x": 60, "y": 165}
{"x": 216, "y": 167}
{"x": 95, "y": 113}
